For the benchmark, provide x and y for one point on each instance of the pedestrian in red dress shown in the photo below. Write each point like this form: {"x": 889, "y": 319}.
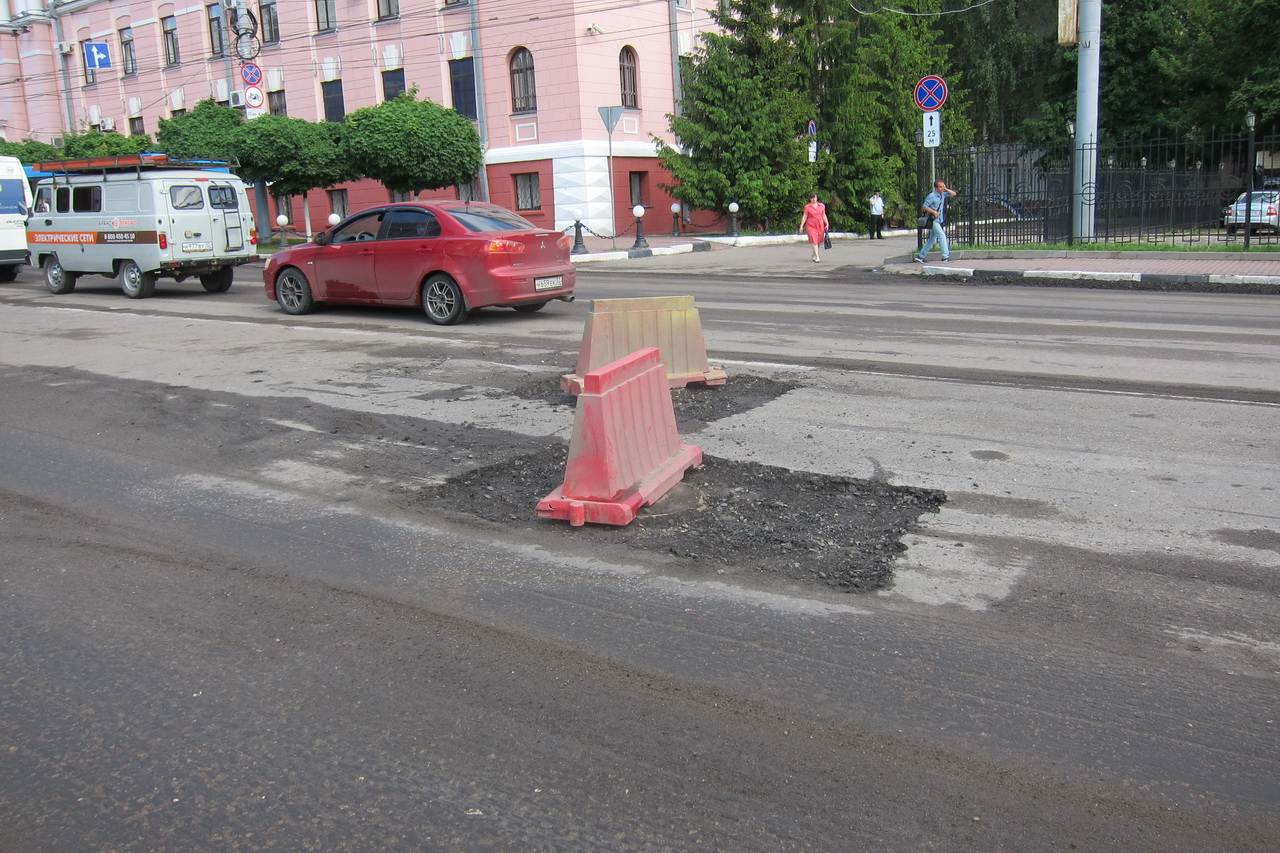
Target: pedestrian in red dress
{"x": 814, "y": 223}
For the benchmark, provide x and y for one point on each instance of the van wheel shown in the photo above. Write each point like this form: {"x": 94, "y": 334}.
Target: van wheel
{"x": 220, "y": 281}
{"x": 8, "y": 274}
{"x": 442, "y": 300}
{"x": 57, "y": 279}
{"x": 293, "y": 293}
{"x": 135, "y": 283}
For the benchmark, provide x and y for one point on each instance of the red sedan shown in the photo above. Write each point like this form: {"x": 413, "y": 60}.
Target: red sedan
{"x": 448, "y": 257}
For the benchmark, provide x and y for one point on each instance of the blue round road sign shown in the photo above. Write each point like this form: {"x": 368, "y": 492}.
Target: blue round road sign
{"x": 931, "y": 93}
{"x": 251, "y": 74}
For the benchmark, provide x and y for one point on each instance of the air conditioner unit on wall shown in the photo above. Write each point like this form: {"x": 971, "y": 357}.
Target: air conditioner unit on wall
{"x": 107, "y": 123}
{"x": 237, "y": 98}
{"x": 66, "y": 47}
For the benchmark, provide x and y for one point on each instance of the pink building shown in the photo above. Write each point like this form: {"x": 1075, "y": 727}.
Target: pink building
{"x": 532, "y": 75}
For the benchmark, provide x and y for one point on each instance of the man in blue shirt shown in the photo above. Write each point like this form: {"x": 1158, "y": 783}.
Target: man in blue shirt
{"x": 935, "y": 207}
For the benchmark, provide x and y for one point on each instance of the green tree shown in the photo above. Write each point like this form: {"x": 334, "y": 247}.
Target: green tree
{"x": 410, "y": 145}
{"x": 208, "y": 132}
{"x": 30, "y": 151}
{"x": 739, "y": 137}
{"x": 96, "y": 143}
{"x": 294, "y": 154}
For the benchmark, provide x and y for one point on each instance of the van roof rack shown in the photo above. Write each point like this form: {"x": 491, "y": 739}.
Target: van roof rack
{"x": 129, "y": 163}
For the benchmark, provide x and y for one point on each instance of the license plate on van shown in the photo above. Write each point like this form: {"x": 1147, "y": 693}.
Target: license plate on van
{"x": 197, "y": 247}
{"x": 549, "y": 283}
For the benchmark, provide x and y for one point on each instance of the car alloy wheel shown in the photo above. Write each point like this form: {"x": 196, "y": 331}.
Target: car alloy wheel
{"x": 293, "y": 293}
{"x": 442, "y": 300}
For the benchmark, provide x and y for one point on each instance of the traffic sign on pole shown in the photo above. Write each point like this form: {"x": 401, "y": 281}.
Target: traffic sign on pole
{"x": 251, "y": 74}
{"x": 932, "y": 129}
{"x": 97, "y": 55}
{"x": 931, "y": 93}
{"x": 253, "y": 97}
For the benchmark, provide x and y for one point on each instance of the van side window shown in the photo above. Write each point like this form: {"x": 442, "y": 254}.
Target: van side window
{"x": 86, "y": 199}
{"x": 223, "y": 198}
{"x": 186, "y": 198}
{"x": 64, "y": 199}
{"x": 44, "y": 200}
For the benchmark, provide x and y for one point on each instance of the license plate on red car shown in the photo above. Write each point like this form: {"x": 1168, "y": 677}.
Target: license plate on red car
{"x": 551, "y": 282}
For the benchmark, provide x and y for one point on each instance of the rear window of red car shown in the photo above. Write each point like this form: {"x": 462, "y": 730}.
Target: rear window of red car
{"x": 480, "y": 219}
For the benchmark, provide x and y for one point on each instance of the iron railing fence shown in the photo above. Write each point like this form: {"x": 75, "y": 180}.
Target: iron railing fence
{"x": 1168, "y": 192}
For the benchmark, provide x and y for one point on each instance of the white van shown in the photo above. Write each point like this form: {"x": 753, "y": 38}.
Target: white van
{"x": 137, "y": 219}
{"x": 15, "y": 201}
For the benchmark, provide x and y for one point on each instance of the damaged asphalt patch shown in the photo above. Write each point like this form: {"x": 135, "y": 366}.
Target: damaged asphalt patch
{"x": 729, "y": 517}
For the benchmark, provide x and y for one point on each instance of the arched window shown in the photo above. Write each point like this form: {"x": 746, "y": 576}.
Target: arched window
{"x": 627, "y": 74}
{"x": 524, "y": 93}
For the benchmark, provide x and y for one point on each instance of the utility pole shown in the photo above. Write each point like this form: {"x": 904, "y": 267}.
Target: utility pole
{"x": 1085, "y": 147}
{"x": 477, "y": 78}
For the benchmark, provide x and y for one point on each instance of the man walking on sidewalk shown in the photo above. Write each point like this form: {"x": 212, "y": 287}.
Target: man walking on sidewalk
{"x": 935, "y": 208}
{"x": 877, "y": 216}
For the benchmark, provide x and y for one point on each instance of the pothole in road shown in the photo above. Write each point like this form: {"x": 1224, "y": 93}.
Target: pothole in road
{"x": 727, "y": 518}
{"x": 695, "y": 406}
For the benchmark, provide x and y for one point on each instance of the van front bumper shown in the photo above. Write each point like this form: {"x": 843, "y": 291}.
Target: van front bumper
{"x": 13, "y": 256}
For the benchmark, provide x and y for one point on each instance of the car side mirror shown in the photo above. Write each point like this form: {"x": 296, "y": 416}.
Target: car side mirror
{"x": 322, "y": 238}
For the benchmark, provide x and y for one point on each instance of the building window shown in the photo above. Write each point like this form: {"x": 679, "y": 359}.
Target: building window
{"x": 388, "y": 9}
{"x": 137, "y": 127}
{"x": 338, "y": 202}
{"x": 528, "y": 196}
{"x": 270, "y": 23}
{"x": 627, "y": 73}
{"x": 176, "y": 113}
{"x": 276, "y": 104}
{"x": 90, "y": 75}
{"x": 128, "y": 57}
{"x": 326, "y": 16}
{"x": 170, "y": 27}
{"x": 399, "y": 195}
{"x": 462, "y": 83}
{"x": 334, "y": 108}
{"x": 217, "y": 41}
{"x": 524, "y": 94}
{"x": 471, "y": 191}
{"x": 392, "y": 84}
{"x": 638, "y": 187}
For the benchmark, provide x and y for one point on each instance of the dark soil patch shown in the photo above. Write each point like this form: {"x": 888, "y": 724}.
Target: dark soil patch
{"x": 695, "y": 405}
{"x": 729, "y": 517}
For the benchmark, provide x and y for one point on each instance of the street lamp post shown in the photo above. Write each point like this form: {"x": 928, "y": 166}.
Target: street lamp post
{"x": 579, "y": 247}
{"x": 1250, "y": 120}
{"x": 282, "y": 221}
{"x": 638, "y": 213}
{"x": 675, "y": 219}
{"x": 733, "y": 218}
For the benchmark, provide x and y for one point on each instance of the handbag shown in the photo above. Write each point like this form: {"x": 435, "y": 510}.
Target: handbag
{"x": 826, "y": 239}
{"x": 924, "y": 222}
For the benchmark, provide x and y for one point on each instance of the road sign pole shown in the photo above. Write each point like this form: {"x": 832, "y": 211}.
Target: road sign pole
{"x": 613, "y": 207}
{"x": 1086, "y": 136}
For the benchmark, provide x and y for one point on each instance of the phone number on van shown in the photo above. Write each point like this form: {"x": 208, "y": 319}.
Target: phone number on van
{"x": 74, "y": 238}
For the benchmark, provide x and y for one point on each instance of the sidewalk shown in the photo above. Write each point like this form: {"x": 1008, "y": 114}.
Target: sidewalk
{"x": 1220, "y": 272}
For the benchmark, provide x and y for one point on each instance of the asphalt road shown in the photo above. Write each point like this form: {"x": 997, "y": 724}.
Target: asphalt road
{"x": 226, "y": 622}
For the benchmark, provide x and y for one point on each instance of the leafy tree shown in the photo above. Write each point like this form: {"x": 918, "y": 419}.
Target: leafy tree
{"x": 739, "y": 137}
{"x": 207, "y": 132}
{"x": 30, "y": 151}
{"x": 294, "y": 154}
{"x": 96, "y": 143}
{"x": 410, "y": 145}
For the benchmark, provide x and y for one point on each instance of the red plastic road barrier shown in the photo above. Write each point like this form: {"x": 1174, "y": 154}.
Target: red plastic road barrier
{"x": 625, "y": 452}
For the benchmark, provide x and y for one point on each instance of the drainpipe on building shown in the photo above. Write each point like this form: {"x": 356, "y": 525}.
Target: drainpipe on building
{"x": 677, "y": 85}
{"x": 477, "y": 75}
{"x": 59, "y": 38}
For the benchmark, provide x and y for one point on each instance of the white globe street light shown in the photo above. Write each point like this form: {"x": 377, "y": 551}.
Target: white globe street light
{"x": 638, "y": 213}
{"x": 334, "y": 219}
{"x": 675, "y": 219}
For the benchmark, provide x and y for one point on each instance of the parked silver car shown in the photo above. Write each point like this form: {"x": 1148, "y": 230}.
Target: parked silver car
{"x": 1265, "y": 214}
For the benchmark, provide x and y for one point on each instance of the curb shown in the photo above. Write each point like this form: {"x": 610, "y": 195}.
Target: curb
{"x": 1248, "y": 284}
{"x": 658, "y": 251}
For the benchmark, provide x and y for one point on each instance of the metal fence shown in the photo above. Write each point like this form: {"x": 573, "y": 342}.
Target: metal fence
{"x": 1161, "y": 191}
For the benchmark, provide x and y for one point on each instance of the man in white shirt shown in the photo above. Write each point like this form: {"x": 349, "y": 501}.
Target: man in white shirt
{"x": 877, "y": 216}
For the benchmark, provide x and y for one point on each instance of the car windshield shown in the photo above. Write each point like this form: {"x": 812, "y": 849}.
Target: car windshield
{"x": 12, "y": 199}
{"x": 482, "y": 218}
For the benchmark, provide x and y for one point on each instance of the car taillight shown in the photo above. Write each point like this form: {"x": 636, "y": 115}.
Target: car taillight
{"x": 563, "y": 242}
{"x": 1271, "y": 211}
{"x": 509, "y": 247}
{"x": 253, "y": 236}
{"x": 164, "y": 241}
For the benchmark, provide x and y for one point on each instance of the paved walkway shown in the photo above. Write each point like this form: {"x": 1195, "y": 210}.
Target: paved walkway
{"x": 1264, "y": 265}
